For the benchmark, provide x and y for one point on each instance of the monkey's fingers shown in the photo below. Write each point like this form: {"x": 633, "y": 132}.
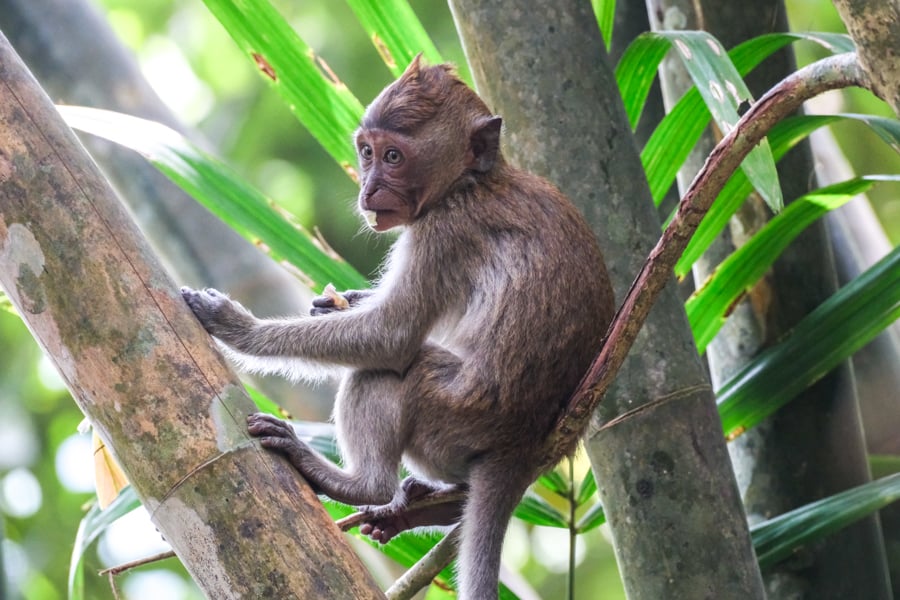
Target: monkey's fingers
{"x": 263, "y": 425}
{"x": 322, "y": 305}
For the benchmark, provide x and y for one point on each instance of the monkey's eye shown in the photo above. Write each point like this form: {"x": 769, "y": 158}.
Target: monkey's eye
{"x": 365, "y": 151}
{"x": 393, "y": 156}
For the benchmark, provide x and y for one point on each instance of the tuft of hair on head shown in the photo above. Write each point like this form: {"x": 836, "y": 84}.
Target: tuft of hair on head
{"x": 419, "y": 95}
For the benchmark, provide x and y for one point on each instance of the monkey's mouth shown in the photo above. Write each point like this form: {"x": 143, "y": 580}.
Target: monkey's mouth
{"x": 371, "y": 218}
{"x": 384, "y": 219}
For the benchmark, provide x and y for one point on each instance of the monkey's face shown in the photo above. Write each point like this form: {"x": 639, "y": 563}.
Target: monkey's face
{"x": 393, "y": 181}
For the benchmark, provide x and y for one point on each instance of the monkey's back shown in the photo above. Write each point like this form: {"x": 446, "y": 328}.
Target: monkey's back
{"x": 534, "y": 304}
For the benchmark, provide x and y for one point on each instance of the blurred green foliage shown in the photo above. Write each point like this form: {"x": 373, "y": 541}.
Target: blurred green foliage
{"x": 250, "y": 127}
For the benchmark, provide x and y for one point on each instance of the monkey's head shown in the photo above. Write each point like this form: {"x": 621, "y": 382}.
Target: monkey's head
{"x": 424, "y": 134}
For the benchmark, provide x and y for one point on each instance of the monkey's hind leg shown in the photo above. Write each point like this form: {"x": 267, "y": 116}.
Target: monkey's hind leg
{"x": 359, "y": 483}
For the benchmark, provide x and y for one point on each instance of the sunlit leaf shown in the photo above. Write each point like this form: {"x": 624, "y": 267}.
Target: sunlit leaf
{"x": 840, "y": 326}
{"x": 593, "y": 518}
{"x": 308, "y": 86}
{"x": 587, "y": 488}
{"x": 534, "y": 509}
{"x": 265, "y": 405}
{"x": 108, "y": 475}
{"x": 554, "y": 482}
{"x": 723, "y": 90}
{"x": 395, "y": 31}
{"x": 636, "y": 71}
{"x": 678, "y": 132}
{"x": 605, "y": 11}
{"x": 215, "y": 185}
{"x": 776, "y": 539}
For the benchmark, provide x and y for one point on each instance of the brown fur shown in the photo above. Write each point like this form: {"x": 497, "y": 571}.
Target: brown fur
{"x": 493, "y": 302}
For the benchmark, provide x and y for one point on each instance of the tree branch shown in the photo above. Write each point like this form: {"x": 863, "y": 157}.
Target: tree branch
{"x": 429, "y": 566}
{"x": 786, "y": 97}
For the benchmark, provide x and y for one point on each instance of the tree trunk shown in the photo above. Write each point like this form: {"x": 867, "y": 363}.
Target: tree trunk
{"x": 188, "y": 238}
{"x": 146, "y": 374}
{"x": 813, "y": 447}
{"x": 656, "y": 443}
{"x": 875, "y": 27}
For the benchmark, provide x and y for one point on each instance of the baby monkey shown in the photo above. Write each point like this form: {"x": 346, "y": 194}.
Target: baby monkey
{"x": 493, "y": 301}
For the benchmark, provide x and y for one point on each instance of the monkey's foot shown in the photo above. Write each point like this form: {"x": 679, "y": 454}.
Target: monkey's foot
{"x": 278, "y": 435}
{"x": 411, "y": 509}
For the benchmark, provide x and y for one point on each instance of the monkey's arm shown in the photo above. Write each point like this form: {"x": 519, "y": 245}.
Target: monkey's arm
{"x": 378, "y": 335}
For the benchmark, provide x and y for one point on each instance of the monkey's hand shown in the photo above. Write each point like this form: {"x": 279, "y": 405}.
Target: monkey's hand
{"x": 331, "y": 300}
{"x": 219, "y": 315}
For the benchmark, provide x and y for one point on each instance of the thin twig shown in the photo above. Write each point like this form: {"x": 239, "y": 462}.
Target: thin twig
{"x": 423, "y": 572}
{"x": 116, "y": 570}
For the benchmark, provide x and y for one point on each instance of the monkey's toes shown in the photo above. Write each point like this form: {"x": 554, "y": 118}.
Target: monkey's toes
{"x": 379, "y": 532}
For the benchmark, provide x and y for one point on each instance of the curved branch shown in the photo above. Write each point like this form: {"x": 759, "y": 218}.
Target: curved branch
{"x": 830, "y": 73}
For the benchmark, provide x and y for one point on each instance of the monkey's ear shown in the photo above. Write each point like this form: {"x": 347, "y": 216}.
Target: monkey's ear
{"x": 413, "y": 68}
{"x": 485, "y": 144}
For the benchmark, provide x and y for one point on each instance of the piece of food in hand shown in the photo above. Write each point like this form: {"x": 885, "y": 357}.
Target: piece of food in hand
{"x": 340, "y": 302}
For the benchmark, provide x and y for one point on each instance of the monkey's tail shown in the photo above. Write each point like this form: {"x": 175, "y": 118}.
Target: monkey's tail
{"x": 494, "y": 492}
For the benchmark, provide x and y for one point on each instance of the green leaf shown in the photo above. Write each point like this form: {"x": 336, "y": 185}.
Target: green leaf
{"x": 605, "y": 11}
{"x": 587, "y": 488}
{"x": 395, "y": 31}
{"x": 6, "y": 304}
{"x": 92, "y": 525}
{"x": 554, "y": 482}
{"x": 593, "y": 518}
{"x": 841, "y": 325}
{"x": 536, "y": 510}
{"x": 887, "y": 129}
{"x": 306, "y": 84}
{"x": 709, "y": 306}
{"x": 264, "y": 404}
{"x": 677, "y": 134}
{"x": 776, "y": 539}
{"x": 883, "y": 465}
{"x": 637, "y": 70}
{"x": 723, "y": 90}
{"x": 218, "y": 188}
{"x": 784, "y": 136}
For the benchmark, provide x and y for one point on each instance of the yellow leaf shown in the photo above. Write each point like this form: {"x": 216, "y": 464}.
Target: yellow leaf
{"x": 107, "y": 473}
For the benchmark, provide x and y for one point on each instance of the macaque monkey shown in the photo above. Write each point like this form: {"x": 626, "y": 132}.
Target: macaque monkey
{"x": 493, "y": 302}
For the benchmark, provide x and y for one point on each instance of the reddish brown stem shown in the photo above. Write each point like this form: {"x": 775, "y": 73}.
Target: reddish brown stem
{"x": 830, "y": 73}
